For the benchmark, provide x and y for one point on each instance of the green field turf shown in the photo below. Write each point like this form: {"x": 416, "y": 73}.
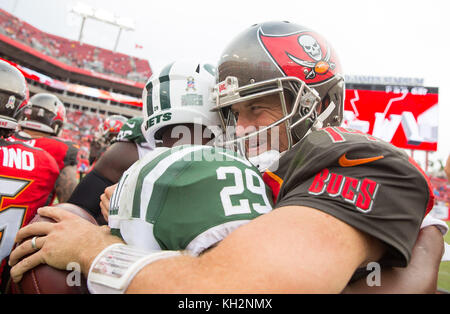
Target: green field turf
{"x": 444, "y": 270}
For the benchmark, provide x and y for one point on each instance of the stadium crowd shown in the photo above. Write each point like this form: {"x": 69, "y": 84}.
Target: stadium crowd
{"x": 74, "y": 53}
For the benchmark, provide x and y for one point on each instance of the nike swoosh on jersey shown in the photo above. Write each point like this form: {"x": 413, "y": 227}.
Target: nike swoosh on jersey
{"x": 131, "y": 125}
{"x": 345, "y": 162}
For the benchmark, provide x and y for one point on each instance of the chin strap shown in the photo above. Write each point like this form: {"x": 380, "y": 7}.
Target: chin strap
{"x": 265, "y": 160}
{"x": 318, "y": 124}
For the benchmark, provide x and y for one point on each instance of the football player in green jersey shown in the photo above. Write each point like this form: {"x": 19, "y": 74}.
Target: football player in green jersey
{"x": 189, "y": 198}
{"x": 177, "y": 110}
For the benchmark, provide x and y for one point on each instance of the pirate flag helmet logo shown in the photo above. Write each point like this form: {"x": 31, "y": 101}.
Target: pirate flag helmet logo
{"x": 305, "y": 55}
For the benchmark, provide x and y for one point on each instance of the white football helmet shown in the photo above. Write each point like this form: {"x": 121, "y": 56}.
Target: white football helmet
{"x": 180, "y": 94}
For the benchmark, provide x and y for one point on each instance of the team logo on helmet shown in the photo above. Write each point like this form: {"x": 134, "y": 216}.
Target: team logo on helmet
{"x": 305, "y": 55}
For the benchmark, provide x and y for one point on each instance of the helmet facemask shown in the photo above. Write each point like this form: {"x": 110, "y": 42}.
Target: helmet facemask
{"x": 299, "y": 105}
{"x": 45, "y": 113}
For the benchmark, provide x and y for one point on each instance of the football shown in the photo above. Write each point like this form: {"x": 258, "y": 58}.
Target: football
{"x": 45, "y": 279}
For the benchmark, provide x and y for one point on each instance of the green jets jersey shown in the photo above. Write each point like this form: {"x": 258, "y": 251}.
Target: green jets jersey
{"x": 186, "y": 198}
{"x": 131, "y": 131}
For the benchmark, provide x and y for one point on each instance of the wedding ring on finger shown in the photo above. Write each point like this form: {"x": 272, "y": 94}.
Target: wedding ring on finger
{"x": 33, "y": 243}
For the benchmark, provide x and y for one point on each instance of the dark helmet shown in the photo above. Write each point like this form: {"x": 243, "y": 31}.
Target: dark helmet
{"x": 13, "y": 95}
{"x": 45, "y": 113}
{"x": 283, "y": 58}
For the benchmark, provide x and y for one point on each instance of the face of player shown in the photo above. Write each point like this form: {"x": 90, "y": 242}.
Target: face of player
{"x": 255, "y": 114}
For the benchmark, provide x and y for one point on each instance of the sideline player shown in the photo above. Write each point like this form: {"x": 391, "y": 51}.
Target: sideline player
{"x": 27, "y": 174}
{"x": 41, "y": 124}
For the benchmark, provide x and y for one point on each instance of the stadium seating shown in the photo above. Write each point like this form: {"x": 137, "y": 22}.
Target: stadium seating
{"x": 74, "y": 53}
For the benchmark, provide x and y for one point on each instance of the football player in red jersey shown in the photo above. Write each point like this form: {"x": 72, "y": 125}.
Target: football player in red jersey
{"x": 27, "y": 174}
{"x": 41, "y": 123}
{"x": 343, "y": 199}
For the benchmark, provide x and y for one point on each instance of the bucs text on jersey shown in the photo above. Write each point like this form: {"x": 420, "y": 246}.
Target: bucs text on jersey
{"x": 188, "y": 197}
{"x": 359, "y": 179}
{"x": 27, "y": 178}
{"x": 64, "y": 152}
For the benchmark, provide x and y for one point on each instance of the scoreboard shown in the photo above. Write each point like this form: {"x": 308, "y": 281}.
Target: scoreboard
{"x": 406, "y": 116}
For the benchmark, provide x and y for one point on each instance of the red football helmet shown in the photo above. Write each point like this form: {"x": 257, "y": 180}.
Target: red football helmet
{"x": 46, "y": 113}
{"x": 13, "y": 95}
{"x": 289, "y": 60}
{"x": 110, "y": 128}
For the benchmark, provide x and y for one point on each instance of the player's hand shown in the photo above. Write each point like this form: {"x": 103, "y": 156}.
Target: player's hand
{"x": 105, "y": 199}
{"x": 70, "y": 239}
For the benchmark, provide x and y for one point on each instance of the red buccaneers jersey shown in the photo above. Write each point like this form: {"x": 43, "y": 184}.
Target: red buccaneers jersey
{"x": 363, "y": 181}
{"x": 64, "y": 152}
{"x": 27, "y": 177}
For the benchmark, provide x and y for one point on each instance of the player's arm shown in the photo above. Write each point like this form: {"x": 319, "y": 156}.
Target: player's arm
{"x": 306, "y": 251}
{"x": 66, "y": 183}
{"x": 421, "y": 274}
{"x": 67, "y": 180}
{"x": 118, "y": 158}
